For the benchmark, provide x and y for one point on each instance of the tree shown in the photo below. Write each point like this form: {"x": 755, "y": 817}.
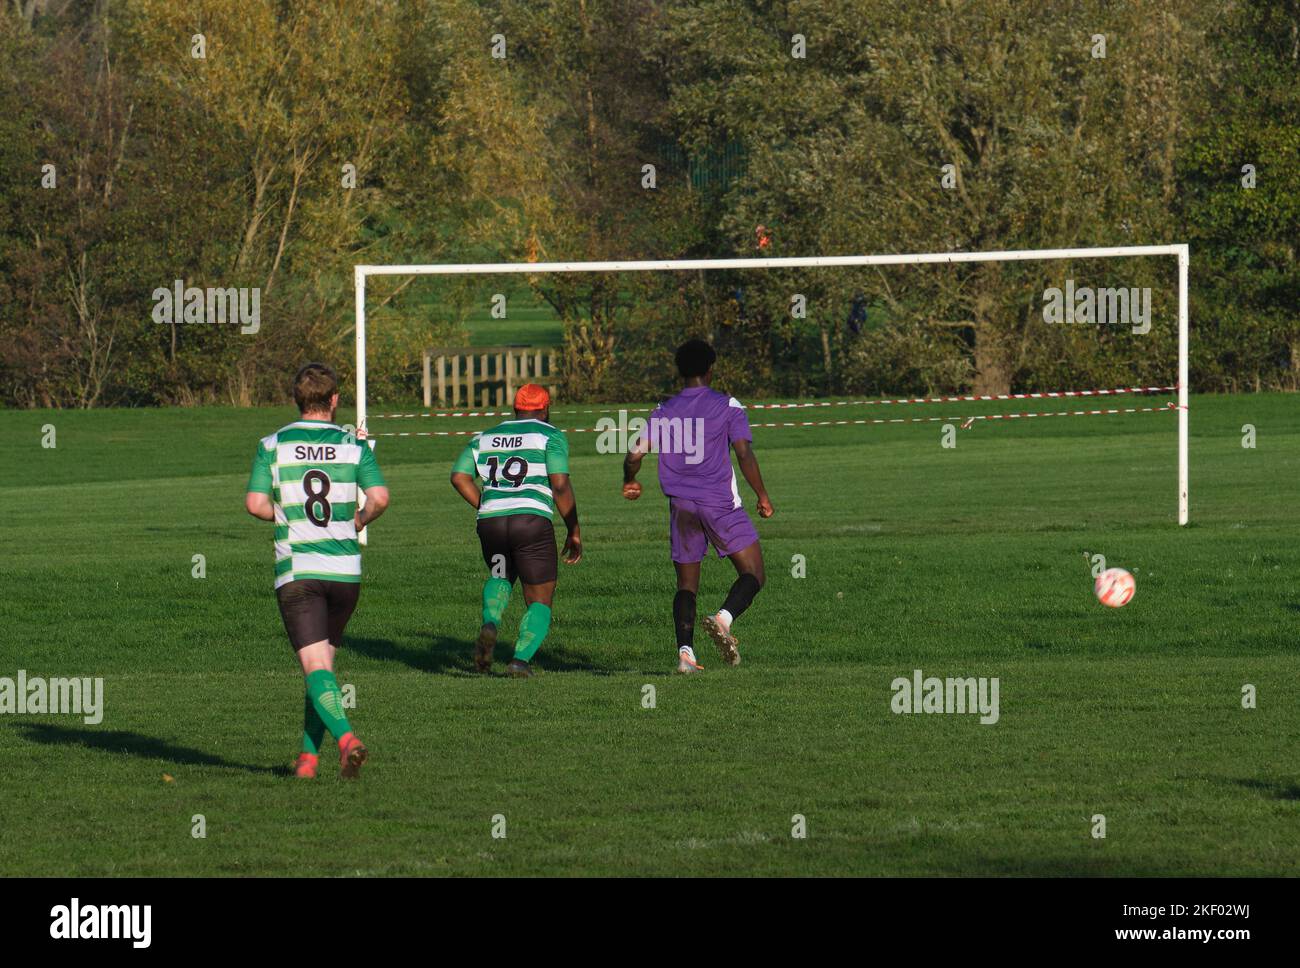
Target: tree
{"x": 1048, "y": 146}
{"x": 1242, "y": 208}
{"x": 549, "y": 142}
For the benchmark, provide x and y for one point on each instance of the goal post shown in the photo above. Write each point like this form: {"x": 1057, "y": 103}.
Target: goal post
{"x": 1179, "y": 251}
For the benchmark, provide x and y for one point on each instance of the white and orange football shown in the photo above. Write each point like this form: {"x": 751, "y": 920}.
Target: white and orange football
{"x": 1115, "y": 587}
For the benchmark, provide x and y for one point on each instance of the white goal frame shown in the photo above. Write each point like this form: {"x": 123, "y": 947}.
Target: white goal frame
{"x": 1180, "y": 250}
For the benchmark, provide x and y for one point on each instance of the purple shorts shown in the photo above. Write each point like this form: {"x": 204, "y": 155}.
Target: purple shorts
{"x": 693, "y": 527}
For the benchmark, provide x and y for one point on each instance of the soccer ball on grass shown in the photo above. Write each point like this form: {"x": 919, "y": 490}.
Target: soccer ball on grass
{"x": 1115, "y": 587}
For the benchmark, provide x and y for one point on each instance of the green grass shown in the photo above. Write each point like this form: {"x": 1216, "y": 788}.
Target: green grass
{"x": 964, "y": 562}
{"x": 529, "y": 321}
{"x": 525, "y": 325}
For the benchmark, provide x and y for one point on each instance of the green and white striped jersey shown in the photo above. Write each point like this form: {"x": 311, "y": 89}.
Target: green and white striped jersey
{"x": 312, "y": 469}
{"x": 514, "y": 459}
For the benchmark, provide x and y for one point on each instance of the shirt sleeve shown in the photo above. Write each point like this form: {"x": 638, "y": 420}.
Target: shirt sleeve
{"x": 557, "y": 454}
{"x": 465, "y": 462}
{"x": 259, "y": 480}
{"x": 737, "y": 422}
{"x": 368, "y": 473}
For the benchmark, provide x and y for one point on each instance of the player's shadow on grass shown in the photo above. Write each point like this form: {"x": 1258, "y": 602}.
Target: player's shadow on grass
{"x": 555, "y": 658}
{"x": 134, "y": 744}
{"x": 452, "y": 656}
{"x": 1277, "y": 789}
{"x": 444, "y": 654}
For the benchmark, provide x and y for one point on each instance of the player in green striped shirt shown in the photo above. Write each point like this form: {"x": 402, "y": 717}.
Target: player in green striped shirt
{"x": 307, "y": 477}
{"x": 524, "y": 466}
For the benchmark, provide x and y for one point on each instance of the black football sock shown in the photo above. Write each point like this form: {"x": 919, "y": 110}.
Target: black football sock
{"x": 684, "y": 617}
{"x": 742, "y": 593}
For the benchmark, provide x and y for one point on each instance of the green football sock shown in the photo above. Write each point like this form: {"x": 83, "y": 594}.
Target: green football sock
{"x": 327, "y": 699}
{"x": 532, "y": 631}
{"x": 496, "y": 596}
{"x": 313, "y": 727}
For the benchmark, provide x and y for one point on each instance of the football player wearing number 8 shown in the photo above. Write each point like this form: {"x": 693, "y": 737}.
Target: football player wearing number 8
{"x": 306, "y": 477}
{"x": 524, "y": 466}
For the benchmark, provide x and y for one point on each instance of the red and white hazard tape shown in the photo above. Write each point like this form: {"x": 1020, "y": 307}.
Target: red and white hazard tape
{"x": 1047, "y": 395}
{"x": 1052, "y": 395}
{"x": 968, "y": 421}
{"x": 964, "y": 421}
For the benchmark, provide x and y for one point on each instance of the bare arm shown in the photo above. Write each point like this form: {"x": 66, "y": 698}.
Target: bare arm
{"x": 749, "y": 467}
{"x": 466, "y": 488}
{"x": 631, "y": 467}
{"x": 376, "y": 504}
{"x": 566, "y": 502}
{"x": 258, "y": 504}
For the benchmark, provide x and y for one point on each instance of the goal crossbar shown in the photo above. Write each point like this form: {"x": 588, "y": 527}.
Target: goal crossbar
{"x": 1179, "y": 250}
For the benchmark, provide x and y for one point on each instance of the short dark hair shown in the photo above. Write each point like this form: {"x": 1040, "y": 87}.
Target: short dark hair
{"x": 695, "y": 358}
{"x": 313, "y": 387}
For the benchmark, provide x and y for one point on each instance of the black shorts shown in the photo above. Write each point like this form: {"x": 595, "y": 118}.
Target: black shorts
{"x": 315, "y": 610}
{"x": 524, "y": 543}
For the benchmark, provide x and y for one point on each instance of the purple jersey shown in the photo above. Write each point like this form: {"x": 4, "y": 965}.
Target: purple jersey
{"x": 692, "y": 433}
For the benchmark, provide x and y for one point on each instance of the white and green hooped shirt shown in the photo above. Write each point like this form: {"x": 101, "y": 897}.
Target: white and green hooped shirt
{"x": 514, "y": 460}
{"x": 312, "y": 469}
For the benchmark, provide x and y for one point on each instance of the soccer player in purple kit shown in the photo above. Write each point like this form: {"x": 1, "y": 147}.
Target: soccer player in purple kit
{"x": 693, "y": 434}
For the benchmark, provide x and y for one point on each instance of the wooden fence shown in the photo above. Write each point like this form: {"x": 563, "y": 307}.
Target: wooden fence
{"x": 485, "y": 376}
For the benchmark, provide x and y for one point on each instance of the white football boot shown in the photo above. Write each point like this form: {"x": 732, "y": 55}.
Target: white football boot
{"x": 719, "y": 630}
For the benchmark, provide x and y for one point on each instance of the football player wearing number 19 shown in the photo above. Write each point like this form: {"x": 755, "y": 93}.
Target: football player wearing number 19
{"x": 306, "y": 477}
{"x": 524, "y": 466}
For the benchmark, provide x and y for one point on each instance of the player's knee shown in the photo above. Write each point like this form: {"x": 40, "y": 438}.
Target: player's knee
{"x": 316, "y": 657}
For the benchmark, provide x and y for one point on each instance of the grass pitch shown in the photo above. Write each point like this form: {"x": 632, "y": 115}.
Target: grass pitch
{"x": 958, "y": 562}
